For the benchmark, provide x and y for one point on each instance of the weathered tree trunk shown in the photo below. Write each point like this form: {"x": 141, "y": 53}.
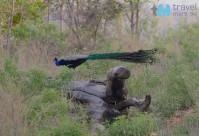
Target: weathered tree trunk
{"x": 10, "y": 27}
{"x": 137, "y": 15}
{"x": 108, "y": 99}
{"x": 1, "y": 41}
{"x": 61, "y": 15}
{"x": 132, "y": 18}
{"x": 48, "y": 20}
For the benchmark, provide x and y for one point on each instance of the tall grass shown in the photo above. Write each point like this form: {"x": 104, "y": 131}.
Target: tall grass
{"x": 33, "y": 101}
{"x": 33, "y": 91}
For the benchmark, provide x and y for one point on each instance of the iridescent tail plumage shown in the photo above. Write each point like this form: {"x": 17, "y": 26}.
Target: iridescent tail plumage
{"x": 142, "y": 56}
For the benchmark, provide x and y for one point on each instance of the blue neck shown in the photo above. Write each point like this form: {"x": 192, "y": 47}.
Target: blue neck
{"x": 60, "y": 62}
{"x": 56, "y": 62}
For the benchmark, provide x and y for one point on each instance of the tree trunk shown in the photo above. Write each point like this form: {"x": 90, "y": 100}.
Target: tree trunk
{"x": 137, "y": 15}
{"x": 105, "y": 29}
{"x": 108, "y": 99}
{"x": 10, "y": 28}
{"x": 1, "y": 42}
{"x": 132, "y": 18}
{"x": 61, "y": 16}
{"x": 48, "y": 12}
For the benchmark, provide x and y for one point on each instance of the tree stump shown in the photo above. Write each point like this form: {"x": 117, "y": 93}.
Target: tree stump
{"x": 108, "y": 99}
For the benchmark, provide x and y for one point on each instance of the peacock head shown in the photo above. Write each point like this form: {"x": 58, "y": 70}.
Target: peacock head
{"x": 56, "y": 62}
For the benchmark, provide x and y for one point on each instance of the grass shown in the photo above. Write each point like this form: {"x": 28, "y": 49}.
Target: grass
{"x": 33, "y": 90}
{"x": 139, "y": 125}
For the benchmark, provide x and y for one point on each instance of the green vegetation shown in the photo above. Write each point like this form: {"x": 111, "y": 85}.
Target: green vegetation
{"x": 33, "y": 92}
{"x": 46, "y": 35}
{"x": 140, "y": 124}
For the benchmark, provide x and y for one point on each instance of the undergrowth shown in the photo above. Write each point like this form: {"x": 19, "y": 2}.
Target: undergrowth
{"x": 37, "y": 103}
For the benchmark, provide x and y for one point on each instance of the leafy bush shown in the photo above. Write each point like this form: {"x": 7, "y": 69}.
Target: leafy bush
{"x": 34, "y": 82}
{"x": 144, "y": 83}
{"x": 181, "y": 131}
{"x": 165, "y": 104}
{"x": 182, "y": 83}
{"x": 45, "y": 107}
{"x": 190, "y": 41}
{"x": 48, "y": 35}
{"x": 65, "y": 76}
{"x": 139, "y": 125}
{"x": 68, "y": 128}
{"x": 181, "y": 88}
{"x": 9, "y": 76}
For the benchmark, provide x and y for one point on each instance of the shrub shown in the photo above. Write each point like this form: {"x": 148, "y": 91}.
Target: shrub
{"x": 181, "y": 131}
{"x": 144, "y": 83}
{"x": 68, "y": 127}
{"x": 190, "y": 41}
{"x": 139, "y": 125}
{"x": 65, "y": 76}
{"x": 46, "y": 106}
{"x": 181, "y": 88}
{"x": 34, "y": 81}
{"x": 182, "y": 82}
{"x": 48, "y": 35}
{"x": 9, "y": 76}
{"x": 165, "y": 104}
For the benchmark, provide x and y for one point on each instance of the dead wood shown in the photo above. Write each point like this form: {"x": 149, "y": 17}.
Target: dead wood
{"x": 106, "y": 100}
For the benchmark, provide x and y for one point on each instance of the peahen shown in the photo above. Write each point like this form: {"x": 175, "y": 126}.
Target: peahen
{"x": 141, "y": 56}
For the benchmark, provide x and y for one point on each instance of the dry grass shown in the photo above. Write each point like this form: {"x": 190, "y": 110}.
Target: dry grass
{"x": 12, "y": 117}
{"x": 13, "y": 113}
{"x": 37, "y": 57}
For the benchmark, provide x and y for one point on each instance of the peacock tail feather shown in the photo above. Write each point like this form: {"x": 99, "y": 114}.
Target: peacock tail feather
{"x": 142, "y": 56}
{"x": 103, "y": 56}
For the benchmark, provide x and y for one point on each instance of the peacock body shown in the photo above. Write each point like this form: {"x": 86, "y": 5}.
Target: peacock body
{"x": 141, "y": 56}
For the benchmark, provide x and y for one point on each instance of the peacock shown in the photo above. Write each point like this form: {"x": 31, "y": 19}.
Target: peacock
{"x": 141, "y": 56}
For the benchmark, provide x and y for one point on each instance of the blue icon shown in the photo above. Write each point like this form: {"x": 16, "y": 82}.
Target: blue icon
{"x": 164, "y": 11}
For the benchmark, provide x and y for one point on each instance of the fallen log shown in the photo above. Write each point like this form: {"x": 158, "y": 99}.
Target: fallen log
{"x": 107, "y": 99}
